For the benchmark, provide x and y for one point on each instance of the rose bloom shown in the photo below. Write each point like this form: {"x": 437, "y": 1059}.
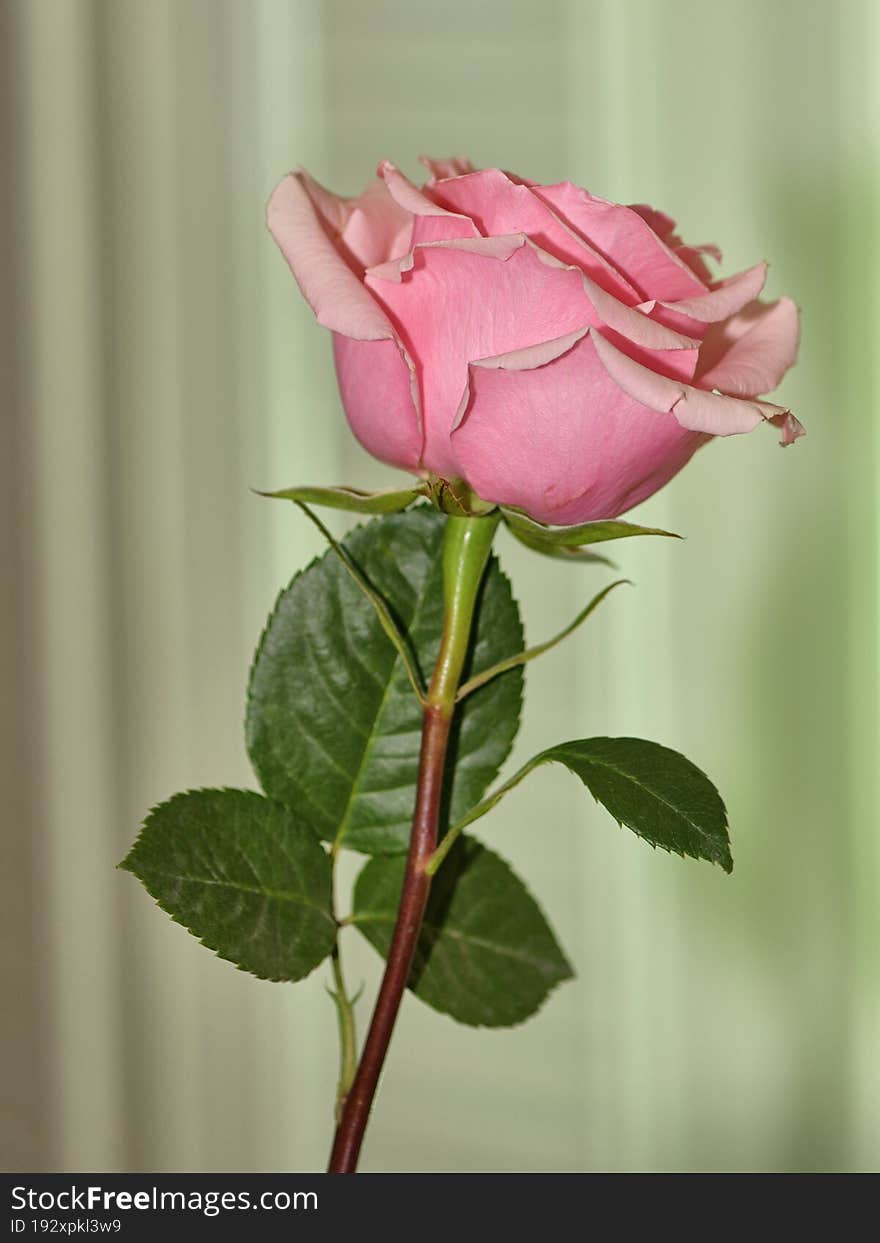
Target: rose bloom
{"x": 559, "y": 353}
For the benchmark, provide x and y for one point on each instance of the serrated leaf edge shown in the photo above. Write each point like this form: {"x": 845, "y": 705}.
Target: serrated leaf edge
{"x": 567, "y": 974}
{"x": 125, "y": 866}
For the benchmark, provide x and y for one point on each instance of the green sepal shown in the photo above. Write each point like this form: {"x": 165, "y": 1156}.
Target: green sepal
{"x": 247, "y": 878}
{"x": 486, "y": 955}
{"x": 391, "y": 501}
{"x": 536, "y": 534}
{"x": 457, "y": 498}
{"x": 558, "y": 551}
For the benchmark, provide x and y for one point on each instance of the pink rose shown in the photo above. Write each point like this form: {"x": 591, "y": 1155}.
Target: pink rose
{"x": 560, "y": 353}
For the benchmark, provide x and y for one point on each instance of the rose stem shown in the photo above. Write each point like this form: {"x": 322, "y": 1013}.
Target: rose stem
{"x": 466, "y": 546}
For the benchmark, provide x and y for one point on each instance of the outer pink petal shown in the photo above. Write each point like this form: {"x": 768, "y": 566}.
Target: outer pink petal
{"x": 454, "y": 166}
{"x": 472, "y": 298}
{"x": 624, "y": 237}
{"x": 561, "y": 440}
{"x": 750, "y": 353}
{"x": 500, "y": 206}
{"x": 725, "y": 298}
{"x": 500, "y": 248}
{"x": 694, "y": 408}
{"x": 338, "y": 298}
{"x": 463, "y": 300}
{"x": 634, "y": 332}
{"x": 376, "y": 376}
{"x": 370, "y": 228}
{"x": 378, "y": 228}
{"x": 333, "y": 209}
{"x": 431, "y": 222}
{"x": 380, "y": 396}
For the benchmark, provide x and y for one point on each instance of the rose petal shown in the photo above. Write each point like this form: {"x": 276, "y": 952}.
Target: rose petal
{"x": 694, "y": 408}
{"x": 603, "y": 309}
{"x": 432, "y": 223}
{"x": 500, "y": 206}
{"x": 467, "y": 299}
{"x": 525, "y": 359}
{"x": 751, "y": 352}
{"x": 500, "y": 248}
{"x": 629, "y": 322}
{"x": 624, "y": 237}
{"x": 378, "y": 228}
{"x": 724, "y": 298}
{"x": 561, "y": 440}
{"x": 338, "y": 298}
{"x": 453, "y": 315}
{"x": 378, "y": 380}
{"x": 380, "y": 396}
{"x": 334, "y": 209}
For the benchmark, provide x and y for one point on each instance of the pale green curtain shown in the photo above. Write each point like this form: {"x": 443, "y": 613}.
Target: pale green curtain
{"x": 158, "y": 363}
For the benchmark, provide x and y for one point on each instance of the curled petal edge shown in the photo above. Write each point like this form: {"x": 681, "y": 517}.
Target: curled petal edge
{"x": 411, "y": 199}
{"x": 631, "y": 215}
{"x": 527, "y": 359}
{"x": 698, "y": 410}
{"x": 333, "y": 291}
{"x": 499, "y": 191}
{"x": 757, "y": 348}
{"x": 340, "y": 301}
{"x": 724, "y": 299}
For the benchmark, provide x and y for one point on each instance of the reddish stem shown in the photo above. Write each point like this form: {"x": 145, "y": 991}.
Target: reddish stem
{"x": 413, "y": 900}
{"x": 466, "y": 545}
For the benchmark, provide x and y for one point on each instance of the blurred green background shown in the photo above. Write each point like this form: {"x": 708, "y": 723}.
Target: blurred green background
{"x": 158, "y": 363}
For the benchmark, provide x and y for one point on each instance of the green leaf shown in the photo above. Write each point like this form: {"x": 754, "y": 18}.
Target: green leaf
{"x": 650, "y": 789}
{"x": 535, "y": 534}
{"x": 333, "y": 728}
{"x": 243, "y": 876}
{"x": 391, "y": 501}
{"x": 486, "y": 955}
{"x": 654, "y": 791}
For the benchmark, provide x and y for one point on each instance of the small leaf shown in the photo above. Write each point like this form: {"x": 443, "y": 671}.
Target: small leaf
{"x": 486, "y": 955}
{"x": 653, "y": 790}
{"x": 535, "y": 533}
{"x": 391, "y": 501}
{"x": 333, "y": 728}
{"x": 243, "y": 876}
